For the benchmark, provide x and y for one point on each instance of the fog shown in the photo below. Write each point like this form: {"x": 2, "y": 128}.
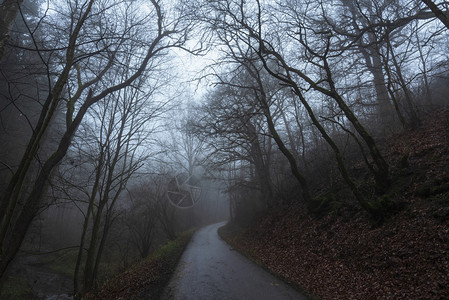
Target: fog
{"x": 122, "y": 126}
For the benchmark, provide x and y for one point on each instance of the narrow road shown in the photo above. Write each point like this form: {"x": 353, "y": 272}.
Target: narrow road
{"x": 211, "y": 269}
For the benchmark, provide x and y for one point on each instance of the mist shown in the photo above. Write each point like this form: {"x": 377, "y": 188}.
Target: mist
{"x": 125, "y": 124}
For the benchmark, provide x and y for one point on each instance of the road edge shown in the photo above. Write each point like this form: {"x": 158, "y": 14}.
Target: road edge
{"x": 227, "y": 234}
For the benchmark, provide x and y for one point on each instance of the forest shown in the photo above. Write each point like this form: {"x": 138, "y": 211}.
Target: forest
{"x": 123, "y": 124}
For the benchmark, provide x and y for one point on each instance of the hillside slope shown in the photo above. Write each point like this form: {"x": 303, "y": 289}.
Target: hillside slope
{"x": 147, "y": 278}
{"x": 344, "y": 256}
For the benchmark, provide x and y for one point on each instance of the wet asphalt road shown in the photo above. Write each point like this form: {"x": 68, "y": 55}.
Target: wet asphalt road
{"x": 211, "y": 269}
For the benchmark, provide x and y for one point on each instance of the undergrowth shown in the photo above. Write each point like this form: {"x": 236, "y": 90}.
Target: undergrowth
{"x": 147, "y": 278}
{"x": 15, "y": 288}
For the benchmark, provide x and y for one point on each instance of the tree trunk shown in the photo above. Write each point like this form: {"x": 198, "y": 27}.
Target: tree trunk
{"x": 12, "y": 231}
{"x": 261, "y": 169}
{"x": 92, "y": 250}
{"x": 8, "y": 12}
{"x": 437, "y": 12}
{"x": 290, "y": 157}
{"x": 89, "y": 212}
{"x": 32, "y": 204}
{"x": 106, "y": 227}
{"x": 381, "y": 173}
{"x": 373, "y": 62}
{"x": 414, "y": 118}
{"x": 372, "y": 209}
{"x": 364, "y": 203}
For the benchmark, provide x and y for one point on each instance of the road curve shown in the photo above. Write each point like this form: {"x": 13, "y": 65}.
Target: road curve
{"x": 210, "y": 269}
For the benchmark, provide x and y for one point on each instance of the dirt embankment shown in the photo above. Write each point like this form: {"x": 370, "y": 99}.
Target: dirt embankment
{"x": 344, "y": 256}
{"x": 147, "y": 278}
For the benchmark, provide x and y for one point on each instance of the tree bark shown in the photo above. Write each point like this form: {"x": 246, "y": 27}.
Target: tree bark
{"x": 8, "y": 12}
{"x": 367, "y": 205}
{"x": 89, "y": 212}
{"x": 290, "y": 157}
{"x": 262, "y": 171}
{"x": 33, "y": 202}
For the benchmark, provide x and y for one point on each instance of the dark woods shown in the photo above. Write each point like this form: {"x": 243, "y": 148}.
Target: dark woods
{"x": 301, "y": 97}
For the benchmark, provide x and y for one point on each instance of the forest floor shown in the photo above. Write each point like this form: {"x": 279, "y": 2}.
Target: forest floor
{"x": 32, "y": 277}
{"x": 344, "y": 255}
{"x": 147, "y": 278}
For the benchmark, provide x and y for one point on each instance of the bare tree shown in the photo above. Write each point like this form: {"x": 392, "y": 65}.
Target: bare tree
{"x": 150, "y": 211}
{"x": 141, "y": 219}
{"x": 438, "y": 12}
{"x": 121, "y": 125}
{"x": 232, "y": 124}
{"x": 183, "y": 150}
{"x": 78, "y": 84}
{"x": 381, "y": 33}
{"x": 243, "y": 26}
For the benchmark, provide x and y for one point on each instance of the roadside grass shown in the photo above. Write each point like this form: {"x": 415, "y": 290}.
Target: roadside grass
{"x": 147, "y": 278}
